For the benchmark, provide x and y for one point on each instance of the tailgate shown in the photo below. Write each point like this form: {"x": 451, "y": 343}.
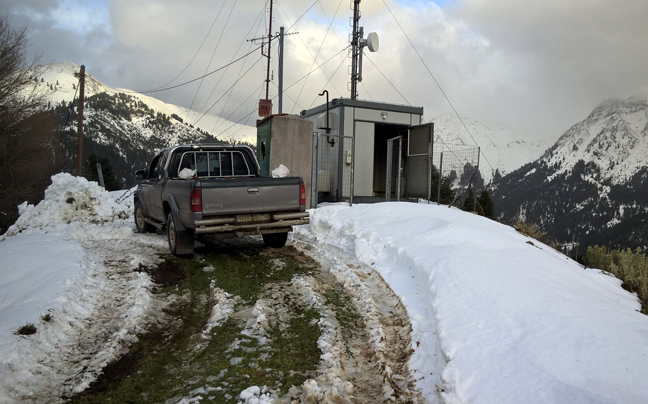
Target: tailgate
{"x": 249, "y": 195}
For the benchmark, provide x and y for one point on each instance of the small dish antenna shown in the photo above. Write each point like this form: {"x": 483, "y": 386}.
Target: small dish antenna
{"x": 372, "y": 42}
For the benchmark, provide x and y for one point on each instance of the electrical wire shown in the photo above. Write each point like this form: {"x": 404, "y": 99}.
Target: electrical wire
{"x": 301, "y": 16}
{"x": 324, "y": 86}
{"x": 213, "y": 53}
{"x": 256, "y": 22}
{"x": 186, "y": 82}
{"x": 437, "y": 83}
{"x": 232, "y": 86}
{"x": 258, "y": 89}
{"x": 316, "y": 69}
{"x": 194, "y": 56}
{"x": 318, "y": 51}
{"x": 304, "y": 43}
{"x": 389, "y": 81}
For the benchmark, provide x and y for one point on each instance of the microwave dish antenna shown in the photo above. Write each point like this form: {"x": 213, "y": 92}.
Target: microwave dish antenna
{"x": 372, "y": 42}
{"x": 358, "y": 42}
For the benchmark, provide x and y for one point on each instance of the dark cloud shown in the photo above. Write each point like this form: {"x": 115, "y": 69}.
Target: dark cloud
{"x": 538, "y": 67}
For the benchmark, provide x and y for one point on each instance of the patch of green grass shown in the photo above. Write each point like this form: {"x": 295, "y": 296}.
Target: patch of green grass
{"x": 27, "y": 329}
{"x": 295, "y": 350}
{"x": 348, "y": 318}
{"x": 162, "y": 366}
{"x": 47, "y": 317}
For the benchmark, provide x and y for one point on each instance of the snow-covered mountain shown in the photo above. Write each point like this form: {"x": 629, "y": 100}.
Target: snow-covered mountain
{"x": 614, "y": 137}
{"x": 504, "y": 149}
{"x": 591, "y": 185}
{"x": 124, "y": 126}
{"x": 62, "y": 80}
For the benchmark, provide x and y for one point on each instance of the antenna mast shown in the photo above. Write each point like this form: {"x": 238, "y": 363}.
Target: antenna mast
{"x": 357, "y": 45}
{"x": 355, "y": 49}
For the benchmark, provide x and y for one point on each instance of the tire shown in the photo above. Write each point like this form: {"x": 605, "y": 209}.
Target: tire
{"x": 180, "y": 242}
{"x": 140, "y": 224}
{"x": 275, "y": 240}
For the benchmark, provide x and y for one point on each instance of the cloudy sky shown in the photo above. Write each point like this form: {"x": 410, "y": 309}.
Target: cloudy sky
{"x": 535, "y": 66}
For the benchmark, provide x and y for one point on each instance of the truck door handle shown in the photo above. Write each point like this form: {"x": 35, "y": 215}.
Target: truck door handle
{"x": 253, "y": 190}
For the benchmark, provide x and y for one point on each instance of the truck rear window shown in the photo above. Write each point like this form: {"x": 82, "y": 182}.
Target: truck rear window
{"x": 215, "y": 164}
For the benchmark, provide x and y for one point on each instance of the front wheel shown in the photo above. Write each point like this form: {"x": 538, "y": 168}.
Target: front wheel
{"x": 275, "y": 240}
{"x": 140, "y": 223}
{"x": 180, "y": 242}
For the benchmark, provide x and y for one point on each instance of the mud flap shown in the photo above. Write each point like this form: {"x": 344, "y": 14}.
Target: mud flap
{"x": 184, "y": 238}
{"x": 185, "y": 242}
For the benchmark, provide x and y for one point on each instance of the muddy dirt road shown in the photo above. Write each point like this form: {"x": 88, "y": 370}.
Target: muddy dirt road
{"x": 243, "y": 323}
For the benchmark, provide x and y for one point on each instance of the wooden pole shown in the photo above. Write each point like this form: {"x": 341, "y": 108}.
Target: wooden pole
{"x": 269, "y": 49}
{"x": 79, "y": 162}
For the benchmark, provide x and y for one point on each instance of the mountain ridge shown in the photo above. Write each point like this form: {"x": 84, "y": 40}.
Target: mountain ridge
{"x": 590, "y": 186}
{"x": 504, "y": 148}
{"x": 64, "y": 91}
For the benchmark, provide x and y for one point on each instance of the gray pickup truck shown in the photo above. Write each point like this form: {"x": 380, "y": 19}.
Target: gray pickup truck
{"x": 215, "y": 189}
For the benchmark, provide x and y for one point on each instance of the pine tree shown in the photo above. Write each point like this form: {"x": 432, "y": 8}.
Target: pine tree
{"x": 447, "y": 194}
{"x": 90, "y": 172}
{"x": 486, "y": 207}
{"x": 469, "y": 201}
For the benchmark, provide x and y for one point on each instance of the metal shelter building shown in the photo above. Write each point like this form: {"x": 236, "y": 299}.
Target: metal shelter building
{"x": 353, "y": 143}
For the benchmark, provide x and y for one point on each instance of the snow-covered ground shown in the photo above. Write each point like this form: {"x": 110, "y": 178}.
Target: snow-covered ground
{"x": 496, "y": 317}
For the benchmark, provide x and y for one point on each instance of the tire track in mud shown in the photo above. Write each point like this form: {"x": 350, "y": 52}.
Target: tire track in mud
{"x": 116, "y": 303}
{"x": 365, "y": 335}
{"x": 125, "y": 306}
{"x": 376, "y": 345}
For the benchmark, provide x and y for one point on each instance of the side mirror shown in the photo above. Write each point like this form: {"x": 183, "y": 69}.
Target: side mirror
{"x": 140, "y": 175}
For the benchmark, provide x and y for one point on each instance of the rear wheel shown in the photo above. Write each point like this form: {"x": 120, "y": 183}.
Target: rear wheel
{"x": 275, "y": 240}
{"x": 180, "y": 242}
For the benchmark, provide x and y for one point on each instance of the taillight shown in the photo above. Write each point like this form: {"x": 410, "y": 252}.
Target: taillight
{"x": 302, "y": 195}
{"x": 196, "y": 200}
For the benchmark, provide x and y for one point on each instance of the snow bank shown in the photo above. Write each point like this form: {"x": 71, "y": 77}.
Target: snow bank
{"x": 73, "y": 258}
{"x": 517, "y": 321}
{"x": 69, "y": 199}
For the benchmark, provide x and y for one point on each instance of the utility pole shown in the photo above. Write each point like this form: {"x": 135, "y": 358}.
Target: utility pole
{"x": 79, "y": 162}
{"x": 281, "y": 49}
{"x": 265, "y": 105}
{"x": 268, "y": 55}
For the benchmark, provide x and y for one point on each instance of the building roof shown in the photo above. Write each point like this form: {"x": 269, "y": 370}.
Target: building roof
{"x": 348, "y": 102}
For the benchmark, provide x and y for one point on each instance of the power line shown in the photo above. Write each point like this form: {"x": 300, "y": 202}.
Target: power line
{"x": 389, "y": 81}
{"x": 304, "y": 43}
{"x": 301, "y": 16}
{"x": 256, "y": 22}
{"x": 195, "y": 55}
{"x": 329, "y": 80}
{"x": 186, "y": 82}
{"x": 258, "y": 89}
{"x": 436, "y": 82}
{"x": 232, "y": 86}
{"x": 317, "y": 68}
{"x": 318, "y": 51}
{"x": 214, "y": 51}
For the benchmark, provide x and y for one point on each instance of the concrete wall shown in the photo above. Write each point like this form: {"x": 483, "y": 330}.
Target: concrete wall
{"x": 292, "y": 146}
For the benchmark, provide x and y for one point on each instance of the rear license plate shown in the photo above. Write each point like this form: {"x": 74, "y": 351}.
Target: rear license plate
{"x": 254, "y": 217}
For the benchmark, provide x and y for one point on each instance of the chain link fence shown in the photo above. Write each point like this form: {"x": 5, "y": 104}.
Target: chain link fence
{"x": 332, "y": 168}
{"x": 427, "y": 175}
{"x": 442, "y": 174}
